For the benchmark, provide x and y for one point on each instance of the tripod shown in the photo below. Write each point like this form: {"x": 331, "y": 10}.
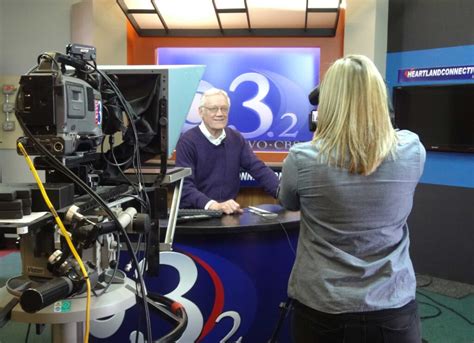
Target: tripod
{"x": 285, "y": 308}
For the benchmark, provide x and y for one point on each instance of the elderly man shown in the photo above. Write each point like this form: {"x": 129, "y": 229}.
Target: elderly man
{"x": 216, "y": 154}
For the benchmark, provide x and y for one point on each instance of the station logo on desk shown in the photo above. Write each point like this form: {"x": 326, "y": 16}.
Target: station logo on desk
{"x": 220, "y": 300}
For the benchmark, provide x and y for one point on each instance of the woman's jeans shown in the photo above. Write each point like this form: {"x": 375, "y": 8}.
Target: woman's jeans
{"x": 400, "y": 325}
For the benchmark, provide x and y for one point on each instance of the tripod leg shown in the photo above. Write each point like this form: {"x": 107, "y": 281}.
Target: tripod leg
{"x": 284, "y": 310}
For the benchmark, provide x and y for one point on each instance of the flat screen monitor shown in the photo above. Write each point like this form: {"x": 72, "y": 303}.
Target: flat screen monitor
{"x": 442, "y": 115}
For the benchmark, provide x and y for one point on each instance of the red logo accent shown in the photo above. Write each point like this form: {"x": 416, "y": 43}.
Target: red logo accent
{"x": 218, "y": 298}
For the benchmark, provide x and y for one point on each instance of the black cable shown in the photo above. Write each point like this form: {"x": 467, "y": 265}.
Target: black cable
{"x": 116, "y": 164}
{"x": 143, "y": 203}
{"x": 28, "y": 333}
{"x": 287, "y": 238}
{"x": 446, "y": 307}
{"x": 177, "y": 309}
{"x": 437, "y": 314}
{"x": 131, "y": 115}
{"x": 285, "y": 308}
{"x": 136, "y": 197}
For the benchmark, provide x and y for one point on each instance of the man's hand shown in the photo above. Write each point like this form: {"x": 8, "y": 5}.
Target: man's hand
{"x": 228, "y": 207}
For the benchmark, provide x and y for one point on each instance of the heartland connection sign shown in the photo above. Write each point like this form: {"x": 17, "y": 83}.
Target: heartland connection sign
{"x": 437, "y": 73}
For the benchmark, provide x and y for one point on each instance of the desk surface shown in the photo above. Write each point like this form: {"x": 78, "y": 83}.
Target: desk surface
{"x": 245, "y": 222}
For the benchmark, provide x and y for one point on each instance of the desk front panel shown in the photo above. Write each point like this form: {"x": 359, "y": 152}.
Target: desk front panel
{"x": 231, "y": 284}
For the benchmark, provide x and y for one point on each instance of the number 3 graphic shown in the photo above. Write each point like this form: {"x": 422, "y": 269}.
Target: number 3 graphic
{"x": 262, "y": 110}
{"x": 188, "y": 274}
{"x": 187, "y": 279}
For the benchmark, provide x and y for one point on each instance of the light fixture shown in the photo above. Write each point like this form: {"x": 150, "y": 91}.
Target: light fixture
{"x": 317, "y": 18}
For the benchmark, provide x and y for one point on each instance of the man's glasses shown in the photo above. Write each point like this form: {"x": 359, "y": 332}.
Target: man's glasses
{"x": 214, "y": 109}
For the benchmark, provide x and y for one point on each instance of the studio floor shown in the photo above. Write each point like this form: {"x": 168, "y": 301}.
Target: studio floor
{"x": 446, "y": 308}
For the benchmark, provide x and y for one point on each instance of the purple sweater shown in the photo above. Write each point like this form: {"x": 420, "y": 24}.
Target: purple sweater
{"x": 215, "y": 169}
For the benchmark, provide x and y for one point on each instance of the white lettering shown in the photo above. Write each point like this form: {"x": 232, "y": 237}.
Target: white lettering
{"x": 244, "y": 176}
{"x": 252, "y": 144}
{"x": 262, "y": 145}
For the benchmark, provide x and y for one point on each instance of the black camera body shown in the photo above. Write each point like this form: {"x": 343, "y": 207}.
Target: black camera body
{"x": 61, "y": 109}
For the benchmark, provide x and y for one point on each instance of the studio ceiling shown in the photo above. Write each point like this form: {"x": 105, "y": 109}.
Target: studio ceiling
{"x": 317, "y": 18}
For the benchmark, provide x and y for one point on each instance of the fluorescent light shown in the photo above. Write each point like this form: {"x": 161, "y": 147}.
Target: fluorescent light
{"x": 321, "y": 20}
{"x": 139, "y": 4}
{"x": 148, "y": 21}
{"x": 323, "y": 3}
{"x": 185, "y": 14}
{"x": 277, "y": 5}
{"x": 226, "y": 4}
{"x": 234, "y": 20}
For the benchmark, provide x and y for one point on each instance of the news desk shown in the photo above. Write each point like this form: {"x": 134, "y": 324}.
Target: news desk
{"x": 229, "y": 273}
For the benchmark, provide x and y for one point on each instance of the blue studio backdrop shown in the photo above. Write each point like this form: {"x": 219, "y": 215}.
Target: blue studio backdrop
{"x": 268, "y": 89}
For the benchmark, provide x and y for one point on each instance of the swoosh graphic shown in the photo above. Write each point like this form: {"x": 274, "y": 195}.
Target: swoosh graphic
{"x": 218, "y": 298}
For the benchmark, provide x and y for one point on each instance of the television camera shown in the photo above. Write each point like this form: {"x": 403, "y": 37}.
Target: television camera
{"x": 313, "y": 98}
{"x": 66, "y": 107}
{"x": 62, "y": 110}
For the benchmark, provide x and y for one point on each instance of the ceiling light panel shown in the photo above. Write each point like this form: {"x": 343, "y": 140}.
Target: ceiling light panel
{"x": 227, "y": 4}
{"x": 138, "y": 4}
{"x": 323, "y": 3}
{"x": 321, "y": 20}
{"x": 188, "y": 14}
{"x": 236, "y": 17}
{"x": 234, "y": 20}
{"x": 148, "y": 21}
{"x": 283, "y": 13}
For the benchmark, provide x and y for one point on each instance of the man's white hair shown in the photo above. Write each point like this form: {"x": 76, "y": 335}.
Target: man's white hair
{"x": 213, "y": 91}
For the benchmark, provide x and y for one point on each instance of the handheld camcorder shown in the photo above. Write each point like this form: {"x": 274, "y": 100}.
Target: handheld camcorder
{"x": 313, "y": 98}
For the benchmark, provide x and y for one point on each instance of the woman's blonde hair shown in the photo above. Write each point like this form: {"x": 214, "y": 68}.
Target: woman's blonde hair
{"x": 354, "y": 129}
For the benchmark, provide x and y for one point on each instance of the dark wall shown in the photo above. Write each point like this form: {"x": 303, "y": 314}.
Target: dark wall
{"x": 442, "y": 232}
{"x": 428, "y": 24}
{"x": 425, "y": 34}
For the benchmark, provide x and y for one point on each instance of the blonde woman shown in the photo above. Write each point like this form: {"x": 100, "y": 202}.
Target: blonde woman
{"x": 353, "y": 279}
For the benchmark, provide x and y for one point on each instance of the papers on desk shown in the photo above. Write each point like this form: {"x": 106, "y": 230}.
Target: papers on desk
{"x": 262, "y": 213}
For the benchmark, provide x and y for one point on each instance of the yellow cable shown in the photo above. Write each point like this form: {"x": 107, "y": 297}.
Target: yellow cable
{"x": 65, "y": 234}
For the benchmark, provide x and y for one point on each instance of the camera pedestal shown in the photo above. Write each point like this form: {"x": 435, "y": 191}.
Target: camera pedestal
{"x": 68, "y": 318}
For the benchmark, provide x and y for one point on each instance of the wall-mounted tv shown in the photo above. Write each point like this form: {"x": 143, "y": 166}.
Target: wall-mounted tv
{"x": 442, "y": 115}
